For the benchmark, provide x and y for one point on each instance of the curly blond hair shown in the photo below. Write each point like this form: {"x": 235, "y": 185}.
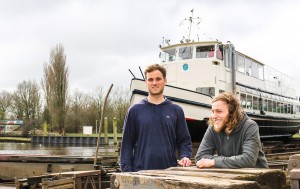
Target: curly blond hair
{"x": 236, "y": 112}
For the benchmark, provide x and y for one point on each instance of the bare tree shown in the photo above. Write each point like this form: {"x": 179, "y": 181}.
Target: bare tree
{"x": 55, "y": 85}
{"x": 120, "y": 103}
{"x": 76, "y": 112}
{"x": 26, "y": 103}
{"x": 5, "y": 103}
{"x": 98, "y": 101}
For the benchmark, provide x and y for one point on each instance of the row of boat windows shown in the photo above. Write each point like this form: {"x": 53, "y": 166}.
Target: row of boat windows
{"x": 244, "y": 64}
{"x": 268, "y": 102}
{"x": 185, "y": 53}
{"x": 264, "y": 95}
{"x": 268, "y": 105}
{"x": 247, "y": 66}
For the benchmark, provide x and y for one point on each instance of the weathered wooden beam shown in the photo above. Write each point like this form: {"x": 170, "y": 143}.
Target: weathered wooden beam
{"x": 192, "y": 177}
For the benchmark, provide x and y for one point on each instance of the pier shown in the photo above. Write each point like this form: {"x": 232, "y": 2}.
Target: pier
{"x": 84, "y": 140}
{"x": 66, "y": 140}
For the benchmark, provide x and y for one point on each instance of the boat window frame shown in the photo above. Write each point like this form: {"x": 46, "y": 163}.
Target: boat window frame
{"x": 240, "y": 63}
{"x": 250, "y": 101}
{"x": 219, "y": 52}
{"x": 274, "y": 106}
{"x": 255, "y": 103}
{"x": 204, "y": 51}
{"x": 265, "y": 104}
{"x": 189, "y": 53}
{"x": 243, "y": 101}
{"x": 165, "y": 56}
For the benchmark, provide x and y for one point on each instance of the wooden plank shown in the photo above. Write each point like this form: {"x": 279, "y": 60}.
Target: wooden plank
{"x": 192, "y": 177}
{"x": 63, "y": 183}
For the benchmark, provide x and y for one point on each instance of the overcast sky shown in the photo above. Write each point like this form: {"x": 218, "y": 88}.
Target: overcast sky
{"x": 105, "y": 38}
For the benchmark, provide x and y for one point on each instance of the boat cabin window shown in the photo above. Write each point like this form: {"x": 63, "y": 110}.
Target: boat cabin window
{"x": 243, "y": 100}
{"x": 265, "y": 105}
{"x": 249, "y": 102}
{"x": 285, "y": 108}
{"x": 240, "y": 63}
{"x": 205, "y": 51}
{"x": 206, "y": 90}
{"x": 260, "y": 71}
{"x": 288, "y": 108}
{"x": 168, "y": 55}
{"x": 255, "y": 103}
{"x": 293, "y": 109}
{"x": 219, "y": 52}
{"x": 274, "y": 106}
{"x": 249, "y": 67}
{"x": 255, "y": 69}
{"x": 185, "y": 53}
{"x": 278, "y": 107}
{"x": 270, "y": 103}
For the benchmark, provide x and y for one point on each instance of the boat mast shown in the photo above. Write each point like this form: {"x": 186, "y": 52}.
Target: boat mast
{"x": 191, "y": 22}
{"x": 190, "y": 19}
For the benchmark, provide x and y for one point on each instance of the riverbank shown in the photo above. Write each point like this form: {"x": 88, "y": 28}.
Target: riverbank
{"x": 14, "y": 139}
{"x": 28, "y": 139}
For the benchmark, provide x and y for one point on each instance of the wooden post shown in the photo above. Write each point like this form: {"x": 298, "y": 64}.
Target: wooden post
{"x": 115, "y": 131}
{"x": 105, "y": 130}
{"x": 45, "y": 128}
{"x": 99, "y": 133}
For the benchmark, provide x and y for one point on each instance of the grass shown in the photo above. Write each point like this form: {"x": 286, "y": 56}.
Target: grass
{"x": 119, "y": 135}
{"x": 15, "y": 139}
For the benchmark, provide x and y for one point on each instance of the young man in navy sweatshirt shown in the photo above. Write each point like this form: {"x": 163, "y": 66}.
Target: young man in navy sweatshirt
{"x": 154, "y": 128}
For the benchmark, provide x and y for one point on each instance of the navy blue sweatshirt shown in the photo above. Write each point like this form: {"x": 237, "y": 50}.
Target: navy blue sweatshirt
{"x": 151, "y": 135}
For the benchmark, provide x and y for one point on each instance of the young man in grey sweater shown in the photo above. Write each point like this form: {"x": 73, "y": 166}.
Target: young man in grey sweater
{"x": 232, "y": 136}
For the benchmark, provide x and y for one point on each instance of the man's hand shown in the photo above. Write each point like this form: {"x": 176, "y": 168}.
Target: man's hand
{"x": 205, "y": 163}
{"x": 185, "y": 162}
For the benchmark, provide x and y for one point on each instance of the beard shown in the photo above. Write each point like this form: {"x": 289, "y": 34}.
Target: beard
{"x": 217, "y": 126}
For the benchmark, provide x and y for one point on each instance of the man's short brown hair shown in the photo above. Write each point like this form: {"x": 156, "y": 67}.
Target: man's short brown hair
{"x": 154, "y": 67}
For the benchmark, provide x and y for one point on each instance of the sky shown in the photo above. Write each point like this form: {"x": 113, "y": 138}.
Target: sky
{"x": 102, "y": 39}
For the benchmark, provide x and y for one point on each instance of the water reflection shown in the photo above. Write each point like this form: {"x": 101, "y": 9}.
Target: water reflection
{"x": 57, "y": 149}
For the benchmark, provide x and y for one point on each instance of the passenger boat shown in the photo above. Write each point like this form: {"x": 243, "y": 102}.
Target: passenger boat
{"x": 199, "y": 70}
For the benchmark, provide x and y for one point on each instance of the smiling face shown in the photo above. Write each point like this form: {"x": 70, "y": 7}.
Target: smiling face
{"x": 155, "y": 83}
{"x": 220, "y": 115}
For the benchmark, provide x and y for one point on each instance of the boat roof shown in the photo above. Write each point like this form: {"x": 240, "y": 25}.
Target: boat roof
{"x": 184, "y": 44}
{"x": 190, "y": 44}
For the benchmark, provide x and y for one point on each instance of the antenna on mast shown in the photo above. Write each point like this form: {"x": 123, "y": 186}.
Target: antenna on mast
{"x": 191, "y": 20}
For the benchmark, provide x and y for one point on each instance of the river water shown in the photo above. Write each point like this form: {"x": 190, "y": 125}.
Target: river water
{"x": 46, "y": 149}
{"x": 56, "y": 149}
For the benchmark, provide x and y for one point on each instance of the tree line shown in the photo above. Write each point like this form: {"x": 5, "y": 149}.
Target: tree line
{"x": 51, "y": 102}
